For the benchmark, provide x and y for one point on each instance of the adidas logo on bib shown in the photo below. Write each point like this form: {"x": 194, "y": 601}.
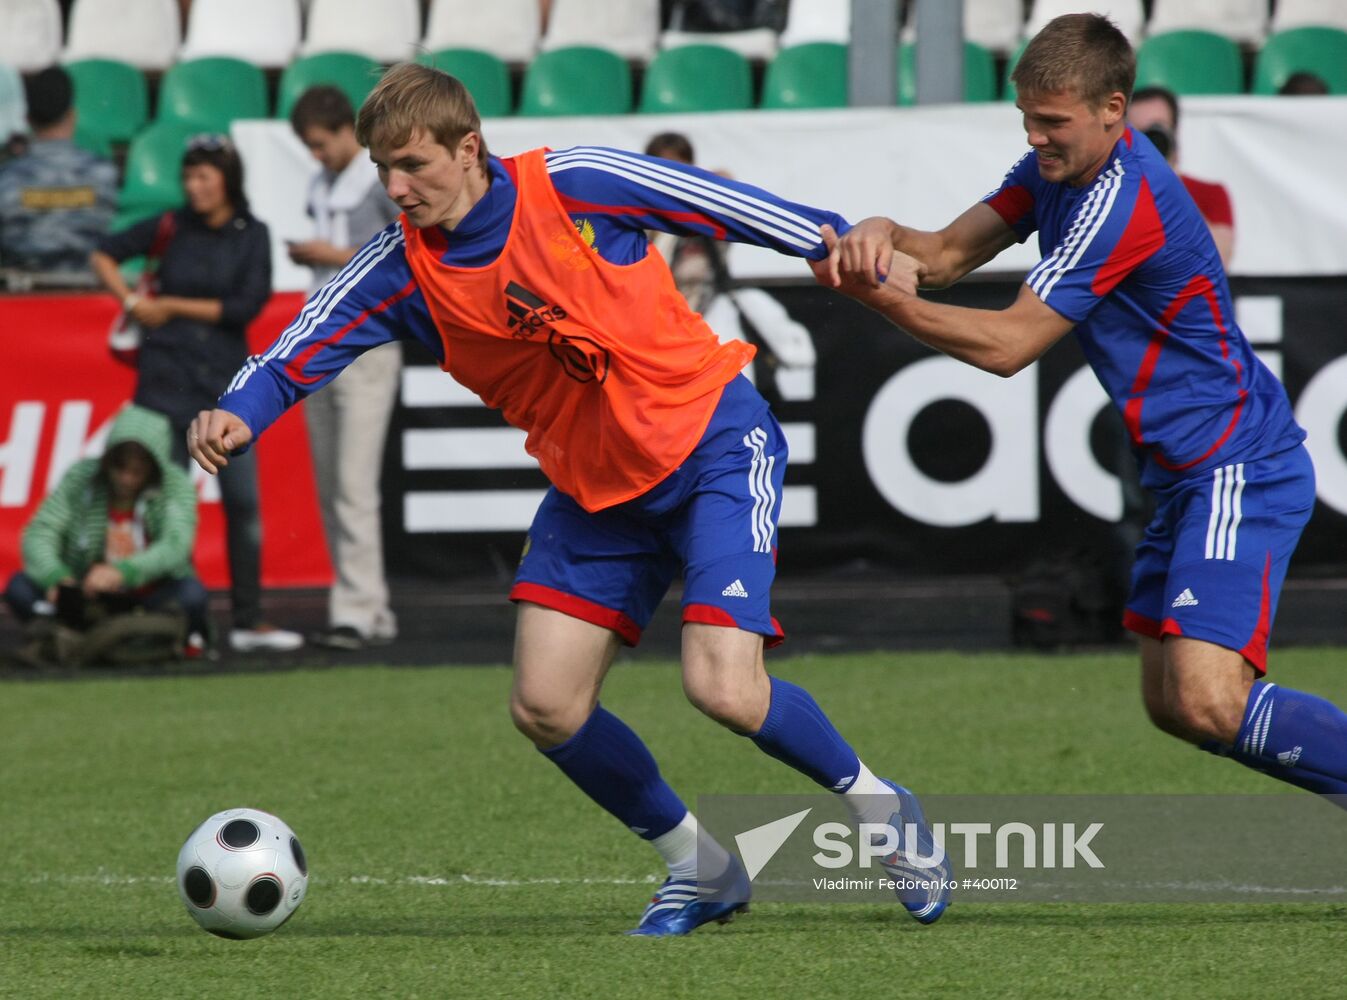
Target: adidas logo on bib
{"x": 1184, "y": 600}
{"x": 736, "y": 589}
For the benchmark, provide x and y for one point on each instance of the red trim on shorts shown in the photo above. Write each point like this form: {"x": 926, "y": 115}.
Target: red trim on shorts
{"x": 709, "y": 614}
{"x": 577, "y": 607}
{"x": 1256, "y": 650}
{"x": 1141, "y": 625}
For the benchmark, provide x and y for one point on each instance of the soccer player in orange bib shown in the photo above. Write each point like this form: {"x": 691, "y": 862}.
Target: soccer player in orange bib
{"x": 531, "y": 281}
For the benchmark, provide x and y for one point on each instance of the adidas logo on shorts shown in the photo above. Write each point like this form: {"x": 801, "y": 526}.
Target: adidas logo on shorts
{"x": 736, "y": 589}
{"x": 1184, "y": 600}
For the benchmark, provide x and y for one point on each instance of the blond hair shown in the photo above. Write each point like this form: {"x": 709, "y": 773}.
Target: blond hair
{"x": 1084, "y": 53}
{"x": 410, "y": 97}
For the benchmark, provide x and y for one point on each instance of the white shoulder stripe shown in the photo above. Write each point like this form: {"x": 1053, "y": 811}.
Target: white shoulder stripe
{"x": 1099, "y": 203}
{"x": 772, "y": 219}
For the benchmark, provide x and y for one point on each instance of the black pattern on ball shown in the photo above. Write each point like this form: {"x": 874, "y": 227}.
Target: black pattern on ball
{"x": 263, "y": 896}
{"x": 199, "y": 887}
{"x": 239, "y": 834}
{"x": 301, "y": 862}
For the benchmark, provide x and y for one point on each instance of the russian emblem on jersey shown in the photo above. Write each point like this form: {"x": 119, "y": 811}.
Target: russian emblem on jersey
{"x": 586, "y": 230}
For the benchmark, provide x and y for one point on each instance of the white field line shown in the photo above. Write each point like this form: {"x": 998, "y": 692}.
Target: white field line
{"x": 109, "y": 878}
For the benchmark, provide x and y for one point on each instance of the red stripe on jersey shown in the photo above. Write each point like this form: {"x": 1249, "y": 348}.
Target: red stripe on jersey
{"x": 710, "y": 614}
{"x": 1256, "y": 650}
{"x": 294, "y": 368}
{"x": 1012, "y": 203}
{"x": 1143, "y": 236}
{"x": 578, "y": 607}
{"x": 1200, "y": 285}
{"x": 574, "y": 206}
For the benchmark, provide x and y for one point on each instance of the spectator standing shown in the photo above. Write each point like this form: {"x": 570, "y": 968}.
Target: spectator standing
{"x": 123, "y": 524}
{"x": 348, "y": 419}
{"x": 56, "y": 199}
{"x": 214, "y": 278}
{"x": 1154, "y": 111}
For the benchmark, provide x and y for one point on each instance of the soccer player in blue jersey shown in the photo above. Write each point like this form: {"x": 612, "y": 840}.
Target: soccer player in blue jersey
{"x": 530, "y": 280}
{"x": 1129, "y": 264}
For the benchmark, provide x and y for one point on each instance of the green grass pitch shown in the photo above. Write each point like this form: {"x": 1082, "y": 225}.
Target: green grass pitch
{"x": 449, "y": 859}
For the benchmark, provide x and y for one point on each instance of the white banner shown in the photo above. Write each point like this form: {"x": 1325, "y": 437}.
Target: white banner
{"x": 1281, "y": 159}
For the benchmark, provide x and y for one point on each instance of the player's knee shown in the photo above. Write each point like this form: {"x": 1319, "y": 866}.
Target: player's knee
{"x": 733, "y": 705}
{"x": 1203, "y": 714}
{"x": 545, "y": 723}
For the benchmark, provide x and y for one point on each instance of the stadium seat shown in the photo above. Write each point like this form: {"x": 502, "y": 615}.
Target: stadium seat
{"x": 993, "y": 24}
{"x": 355, "y": 75}
{"x": 758, "y": 44}
{"x": 508, "y": 29}
{"x": 629, "y": 28}
{"x": 144, "y": 33}
{"x": 1128, "y": 15}
{"x": 817, "y": 21}
{"x": 265, "y": 32}
{"x": 387, "y": 31}
{"x": 210, "y": 93}
{"x": 1007, "y": 87}
{"x": 13, "y": 103}
{"x": 580, "y": 80}
{"x": 112, "y": 102}
{"x": 813, "y": 75}
{"x": 697, "y": 78}
{"x": 1191, "y": 62}
{"x": 30, "y": 33}
{"x": 153, "y": 180}
{"x": 979, "y": 73}
{"x": 1322, "y": 51}
{"x": 1309, "y": 14}
{"x": 1243, "y": 21}
{"x": 485, "y": 75}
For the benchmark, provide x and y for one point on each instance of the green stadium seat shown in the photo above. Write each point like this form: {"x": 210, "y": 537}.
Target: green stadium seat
{"x": 979, "y": 73}
{"x": 1008, "y": 88}
{"x": 812, "y": 75}
{"x": 210, "y": 93}
{"x": 576, "y": 80}
{"x": 1322, "y": 51}
{"x": 697, "y": 78}
{"x": 1191, "y": 62}
{"x": 350, "y": 72}
{"x": 153, "y": 179}
{"x": 112, "y": 102}
{"x": 486, "y": 77}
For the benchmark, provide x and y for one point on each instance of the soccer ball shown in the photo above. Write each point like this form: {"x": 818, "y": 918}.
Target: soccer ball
{"x": 242, "y": 873}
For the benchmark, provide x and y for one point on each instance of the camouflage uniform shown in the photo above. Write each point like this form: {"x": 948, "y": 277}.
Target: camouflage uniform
{"x": 54, "y": 204}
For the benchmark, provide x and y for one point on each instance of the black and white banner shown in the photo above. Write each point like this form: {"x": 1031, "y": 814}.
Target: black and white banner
{"x": 900, "y": 458}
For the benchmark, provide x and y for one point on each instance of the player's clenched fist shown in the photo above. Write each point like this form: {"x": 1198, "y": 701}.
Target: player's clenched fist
{"x": 213, "y": 435}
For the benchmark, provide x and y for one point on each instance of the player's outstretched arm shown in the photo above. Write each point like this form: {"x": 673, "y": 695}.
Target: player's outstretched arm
{"x": 213, "y": 435}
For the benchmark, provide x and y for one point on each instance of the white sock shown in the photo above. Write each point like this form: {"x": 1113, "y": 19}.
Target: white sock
{"x": 680, "y": 846}
{"x": 869, "y": 799}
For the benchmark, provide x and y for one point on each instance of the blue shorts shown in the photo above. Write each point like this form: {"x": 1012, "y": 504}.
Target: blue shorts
{"x": 1212, "y": 562}
{"x": 713, "y": 519}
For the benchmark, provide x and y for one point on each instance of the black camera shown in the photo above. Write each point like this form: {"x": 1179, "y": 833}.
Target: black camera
{"x": 1161, "y": 138}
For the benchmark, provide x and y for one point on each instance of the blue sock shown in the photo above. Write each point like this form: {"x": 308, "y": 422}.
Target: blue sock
{"x": 613, "y": 767}
{"x": 1296, "y": 737}
{"x": 796, "y": 732}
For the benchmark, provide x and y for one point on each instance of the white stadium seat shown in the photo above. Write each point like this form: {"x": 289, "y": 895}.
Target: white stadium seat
{"x": 994, "y": 24}
{"x": 387, "y": 31}
{"x": 628, "y": 27}
{"x": 144, "y": 33}
{"x": 264, "y": 32}
{"x": 817, "y": 21}
{"x": 30, "y": 33}
{"x": 1128, "y": 15}
{"x": 1239, "y": 20}
{"x": 1309, "y": 13}
{"x": 508, "y": 29}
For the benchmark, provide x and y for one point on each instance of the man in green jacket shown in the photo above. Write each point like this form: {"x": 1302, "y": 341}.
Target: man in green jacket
{"x": 120, "y": 528}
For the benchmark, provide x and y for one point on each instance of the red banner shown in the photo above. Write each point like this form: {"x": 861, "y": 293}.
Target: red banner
{"x": 59, "y": 391}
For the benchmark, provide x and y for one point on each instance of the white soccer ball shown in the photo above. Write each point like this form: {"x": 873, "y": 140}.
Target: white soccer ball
{"x": 242, "y": 873}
